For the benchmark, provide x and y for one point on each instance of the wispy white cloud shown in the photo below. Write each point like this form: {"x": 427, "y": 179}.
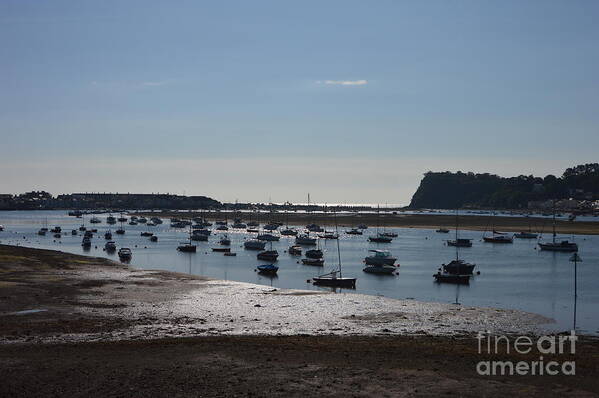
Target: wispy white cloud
{"x": 343, "y": 82}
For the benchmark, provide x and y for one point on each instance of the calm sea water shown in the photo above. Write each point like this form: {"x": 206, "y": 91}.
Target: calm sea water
{"x": 513, "y": 276}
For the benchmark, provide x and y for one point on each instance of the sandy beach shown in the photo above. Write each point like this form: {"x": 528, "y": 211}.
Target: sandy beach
{"x": 153, "y": 333}
{"x": 426, "y": 221}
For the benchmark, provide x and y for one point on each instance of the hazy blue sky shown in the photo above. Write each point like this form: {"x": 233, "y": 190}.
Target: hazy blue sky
{"x": 348, "y": 100}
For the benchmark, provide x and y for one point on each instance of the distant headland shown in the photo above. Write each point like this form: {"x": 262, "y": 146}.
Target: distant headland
{"x": 576, "y": 189}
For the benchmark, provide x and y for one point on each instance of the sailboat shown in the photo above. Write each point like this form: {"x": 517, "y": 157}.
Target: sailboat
{"x": 288, "y": 231}
{"x": 335, "y": 278}
{"x": 459, "y": 242}
{"x": 379, "y": 237}
{"x": 268, "y": 255}
{"x": 555, "y": 246}
{"x": 187, "y": 247}
{"x": 315, "y": 253}
{"x": 456, "y": 271}
{"x": 312, "y": 227}
{"x": 526, "y": 235}
{"x": 497, "y": 237}
{"x": 82, "y": 227}
{"x": 121, "y": 231}
{"x": 44, "y": 229}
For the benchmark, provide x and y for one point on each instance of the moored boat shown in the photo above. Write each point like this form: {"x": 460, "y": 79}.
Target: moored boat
{"x": 289, "y": 232}
{"x": 525, "y": 235}
{"x": 555, "y": 246}
{"x": 563, "y": 246}
{"x": 295, "y": 250}
{"x": 254, "y": 244}
{"x": 305, "y": 239}
{"x": 458, "y": 267}
{"x": 378, "y": 238}
{"x": 334, "y": 279}
{"x": 314, "y": 253}
{"x": 125, "y": 253}
{"x": 444, "y": 277}
{"x": 268, "y": 255}
{"x": 380, "y": 257}
{"x": 380, "y": 269}
{"x": 354, "y": 231}
{"x": 187, "y": 247}
{"x": 319, "y": 262}
{"x": 268, "y": 237}
{"x": 498, "y": 238}
{"x": 267, "y": 269}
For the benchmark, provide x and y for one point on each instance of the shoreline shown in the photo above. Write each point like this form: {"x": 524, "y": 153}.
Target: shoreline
{"x": 93, "y": 296}
{"x": 423, "y": 221}
{"x": 85, "y": 326}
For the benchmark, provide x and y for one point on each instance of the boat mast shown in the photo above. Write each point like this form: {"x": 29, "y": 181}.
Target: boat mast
{"x": 456, "y": 235}
{"x": 378, "y": 221}
{"x": 338, "y": 249}
{"x": 554, "y": 221}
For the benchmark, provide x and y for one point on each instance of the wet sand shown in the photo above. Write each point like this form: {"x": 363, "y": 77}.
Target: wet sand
{"x": 426, "y": 221}
{"x": 79, "y": 326}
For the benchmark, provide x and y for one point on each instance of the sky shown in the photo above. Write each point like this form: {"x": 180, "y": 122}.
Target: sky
{"x": 350, "y": 101}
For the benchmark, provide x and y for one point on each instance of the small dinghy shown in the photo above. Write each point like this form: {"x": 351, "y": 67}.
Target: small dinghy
{"x": 230, "y": 254}
{"x": 221, "y": 249}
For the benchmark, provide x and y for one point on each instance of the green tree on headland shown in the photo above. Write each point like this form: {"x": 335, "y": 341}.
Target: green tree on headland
{"x": 451, "y": 190}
